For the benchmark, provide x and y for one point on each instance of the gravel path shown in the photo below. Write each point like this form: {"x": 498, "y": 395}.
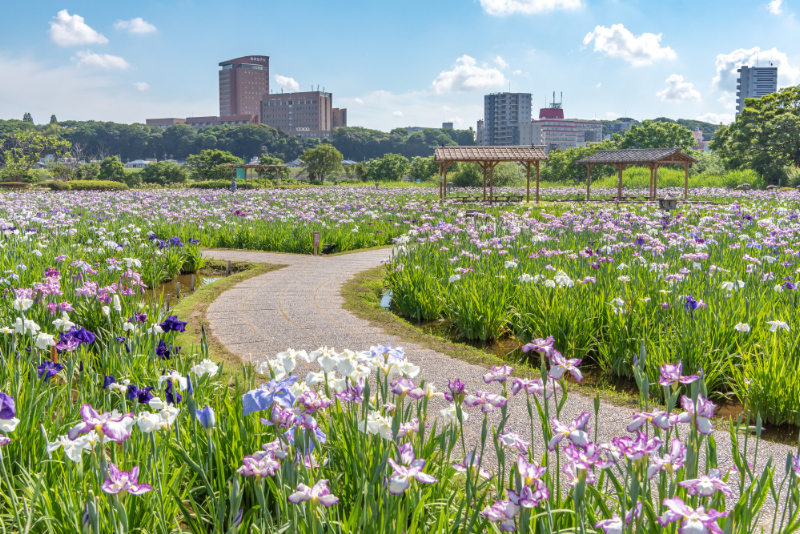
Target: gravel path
{"x": 299, "y": 307}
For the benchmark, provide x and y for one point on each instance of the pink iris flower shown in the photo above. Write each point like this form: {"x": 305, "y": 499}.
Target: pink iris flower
{"x": 261, "y": 464}
{"x": 657, "y": 418}
{"x": 559, "y": 365}
{"x": 124, "y": 481}
{"x": 638, "y": 448}
{"x": 114, "y": 427}
{"x": 319, "y": 494}
{"x": 487, "y": 401}
{"x": 514, "y": 441}
{"x": 702, "y": 417}
{"x": 410, "y": 467}
{"x": 503, "y": 512}
{"x": 576, "y": 431}
{"x": 671, "y": 375}
{"x": 472, "y": 463}
{"x": 498, "y": 374}
{"x": 671, "y": 462}
{"x": 694, "y": 521}
{"x": 707, "y": 485}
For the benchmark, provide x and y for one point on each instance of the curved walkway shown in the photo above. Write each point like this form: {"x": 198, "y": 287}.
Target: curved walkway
{"x": 299, "y": 307}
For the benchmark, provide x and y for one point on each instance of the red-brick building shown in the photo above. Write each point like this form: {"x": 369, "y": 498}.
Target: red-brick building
{"x": 242, "y": 82}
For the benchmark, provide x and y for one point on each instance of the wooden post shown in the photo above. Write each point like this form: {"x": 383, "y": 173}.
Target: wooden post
{"x": 655, "y": 182}
{"x": 445, "y": 178}
{"x": 528, "y": 190}
{"x": 650, "y": 192}
{"x": 686, "y": 182}
{"x": 440, "y": 181}
{"x": 192, "y": 283}
{"x": 588, "y": 180}
{"x": 177, "y": 290}
{"x": 484, "y": 183}
{"x": 537, "y": 182}
{"x": 491, "y": 185}
{"x": 619, "y": 182}
{"x": 228, "y": 269}
{"x": 315, "y": 243}
{"x": 53, "y": 354}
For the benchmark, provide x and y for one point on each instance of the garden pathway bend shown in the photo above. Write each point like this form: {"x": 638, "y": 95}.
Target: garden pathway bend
{"x": 299, "y": 307}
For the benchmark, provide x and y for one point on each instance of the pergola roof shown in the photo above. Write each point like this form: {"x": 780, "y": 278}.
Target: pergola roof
{"x": 632, "y": 156}
{"x": 489, "y": 153}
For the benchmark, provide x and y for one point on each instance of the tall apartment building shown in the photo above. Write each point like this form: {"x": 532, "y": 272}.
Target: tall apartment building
{"x": 755, "y": 82}
{"x": 502, "y": 112}
{"x": 242, "y": 82}
{"x": 339, "y": 117}
{"x": 480, "y": 134}
{"x": 304, "y": 114}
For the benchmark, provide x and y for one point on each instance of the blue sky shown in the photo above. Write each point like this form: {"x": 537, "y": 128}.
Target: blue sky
{"x": 392, "y": 63}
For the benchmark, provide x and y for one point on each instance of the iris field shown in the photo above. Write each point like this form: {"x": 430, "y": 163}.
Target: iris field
{"x": 107, "y": 426}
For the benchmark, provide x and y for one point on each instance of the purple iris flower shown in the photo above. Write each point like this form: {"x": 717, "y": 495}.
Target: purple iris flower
{"x": 7, "y": 406}
{"x": 458, "y": 390}
{"x": 48, "y": 369}
{"x": 165, "y": 350}
{"x": 66, "y": 344}
{"x": 639, "y": 242}
{"x": 143, "y": 396}
{"x": 115, "y": 427}
{"x": 193, "y": 240}
{"x": 123, "y": 341}
{"x": 319, "y": 494}
{"x": 541, "y": 345}
{"x": 487, "y": 401}
{"x": 172, "y": 324}
{"x": 80, "y": 334}
{"x": 138, "y": 318}
{"x": 175, "y": 242}
{"x": 703, "y": 415}
{"x": 697, "y": 520}
{"x": 503, "y": 512}
{"x": 672, "y": 375}
{"x": 789, "y": 285}
{"x": 410, "y": 467}
{"x": 577, "y": 431}
{"x": 108, "y": 380}
{"x": 691, "y": 304}
{"x": 173, "y": 395}
{"x": 498, "y": 374}
{"x": 638, "y": 448}
{"x": 268, "y": 394}
{"x": 320, "y": 435}
{"x": 707, "y": 485}
{"x": 353, "y": 393}
{"x": 280, "y": 417}
{"x": 124, "y": 481}
{"x": 206, "y": 417}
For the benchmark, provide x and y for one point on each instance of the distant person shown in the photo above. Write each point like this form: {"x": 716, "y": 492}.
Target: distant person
{"x": 233, "y": 185}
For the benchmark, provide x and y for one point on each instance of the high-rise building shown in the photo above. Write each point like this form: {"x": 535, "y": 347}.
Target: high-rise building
{"x": 305, "y": 114}
{"x": 553, "y": 131}
{"x": 501, "y": 113}
{"x": 339, "y": 117}
{"x": 480, "y": 134}
{"x": 242, "y": 82}
{"x": 755, "y": 82}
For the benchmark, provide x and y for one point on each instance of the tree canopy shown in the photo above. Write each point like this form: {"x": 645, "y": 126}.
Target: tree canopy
{"x": 208, "y": 165}
{"x": 321, "y": 160}
{"x": 655, "y": 134}
{"x": 765, "y": 136}
{"x": 389, "y": 168}
{"x": 24, "y": 149}
{"x": 361, "y": 143}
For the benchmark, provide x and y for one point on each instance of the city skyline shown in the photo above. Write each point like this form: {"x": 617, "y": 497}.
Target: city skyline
{"x": 428, "y": 64}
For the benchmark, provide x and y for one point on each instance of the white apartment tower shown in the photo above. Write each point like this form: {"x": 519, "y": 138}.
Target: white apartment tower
{"x": 502, "y": 112}
{"x": 755, "y": 82}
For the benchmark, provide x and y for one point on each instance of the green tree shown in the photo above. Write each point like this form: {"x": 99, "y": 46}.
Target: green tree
{"x": 266, "y": 159}
{"x": 24, "y": 149}
{"x": 27, "y": 118}
{"x": 765, "y": 136}
{"x": 163, "y": 173}
{"x": 53, "y": 119}
{"x": 466, "y": 175}
{"x": 208, "y": 165}
{"x": 322, "y": 160}
{"x": 652, "y": 134}
{"x": 361, "y": 170}
{"x": 562, "y": 165}
{"x": 423, "y": 168}
{"x": 390, "y": 168}
{"x": 111, "y": 169}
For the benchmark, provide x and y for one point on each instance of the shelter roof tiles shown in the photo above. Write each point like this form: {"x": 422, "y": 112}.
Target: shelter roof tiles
{"x": 489, "y": 153}
{"x": 637, "y": 155}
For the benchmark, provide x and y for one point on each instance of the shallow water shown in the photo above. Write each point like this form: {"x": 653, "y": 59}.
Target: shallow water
{"x": 185, "y": 280}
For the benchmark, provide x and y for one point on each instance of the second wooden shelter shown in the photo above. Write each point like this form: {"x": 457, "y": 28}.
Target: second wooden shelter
{"x": 487, "y": 158}
{"x": 261, "y": 170}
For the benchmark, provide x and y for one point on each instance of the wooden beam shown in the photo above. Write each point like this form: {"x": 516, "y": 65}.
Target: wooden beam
{"x": 528, "y": 187}
{"x": 588, "y": 179}
{"x": 686, "y": 183}
{"x": 484, "y": 183}
{"x": 537, "y": 181}
{"x": 655, "y": 182}
{"x": 620, "y": 167}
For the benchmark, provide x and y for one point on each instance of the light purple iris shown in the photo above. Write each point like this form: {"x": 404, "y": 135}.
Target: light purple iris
{"x": 7, "y": 407}
{"x": 670, "y": 462}
{"x": 587, "y": 457}
{"x": 409, "y": 467}
{"x": 540, "y": 345}
{"x": 261, "y": 464}
{"x": 319, "y": 494}
{"x": 280, "y": 417}
{"x": 4, "y": 440}
{"x": 405, "y": 429}
{"x": 559, "y": 365}
{"x": 471, "y": 463}
{"x": 614, "y": 525}
{"x": 311, "y": 402}
{"x": 707, "y": 485}
{"x": 498, "y": 374}
{"x": 458, "y": 390}
{"x": 530, "y": 496}
{"x": 657, "y": 418}
{"x": 576, "y": 431}
{"x": 536, "y": 387}
{"x": 705, "y": 411}
{"x": 671, "y": 375}
{"x": 638, "y": 448}
{"x": 487, "y": 401}
{"x": 529, "y": 473}
{"x": 503, "y": 512}
{"x": 264, "y": 397}
{"x": 692, "y": 521}
{"x": 124, "y": 481}
{"x": 116, "y": 427}
{"x": 402, "y": 386}
{"x": 514, "y": 441}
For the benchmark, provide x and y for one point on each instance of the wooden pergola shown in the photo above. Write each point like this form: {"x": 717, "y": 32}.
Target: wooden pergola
{"x": 652, "y": 158}
{"x": 262, "y": 170}
{"x": 487, "y": 158}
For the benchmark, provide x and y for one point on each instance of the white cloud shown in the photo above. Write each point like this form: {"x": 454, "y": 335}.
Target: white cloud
{"x": 103, "y": 61}
{"x": 142, "y": 86}
{"x": 775, "y": 7}
{"x": 599, "y": 84}
{"x": 137, "y": 25}
{"x": 727, "y": 65}
{"x": 71, "y": 30}
{"x": 716, "y": 118}
{"x": 527, "y": 7}
{"x": 358, "y": 101}
{"x": 500, "y": 62}
{"x": 679, "y": 90}
{"x": 398, "y": 113}
{"x": 287, "y": 83}
{"x": 82, "y": 94}
{"x": 467, "y": 76}
{"x": 517, "y": 72}
{"x": 728, "y": 100}
{"x": 617, "y": 41}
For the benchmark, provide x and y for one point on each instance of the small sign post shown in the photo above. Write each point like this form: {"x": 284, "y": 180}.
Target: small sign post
{"x": 316, "y": 243}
